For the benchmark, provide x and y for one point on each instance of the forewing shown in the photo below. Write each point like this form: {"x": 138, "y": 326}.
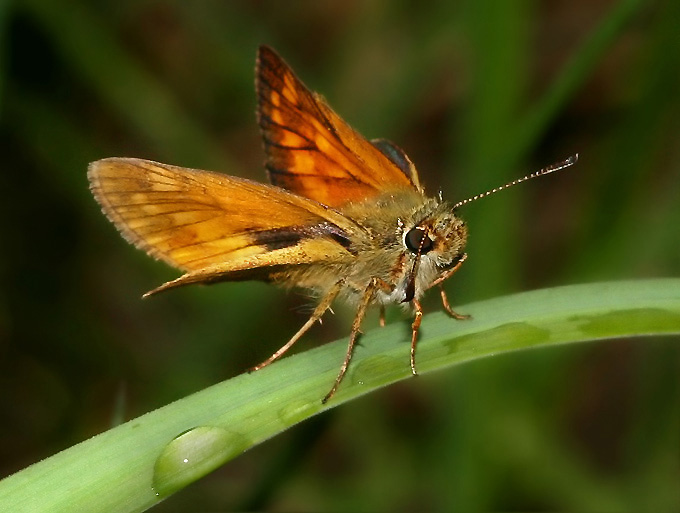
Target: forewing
{"x": 310, "y": 149}
{"x": 202, "y": 221}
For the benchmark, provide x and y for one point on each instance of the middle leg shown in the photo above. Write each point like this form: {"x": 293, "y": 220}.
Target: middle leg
{"x": 374, "y": 285}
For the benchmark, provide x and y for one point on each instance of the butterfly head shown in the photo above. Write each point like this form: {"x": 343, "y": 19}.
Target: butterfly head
{"x": 433, "y": 241}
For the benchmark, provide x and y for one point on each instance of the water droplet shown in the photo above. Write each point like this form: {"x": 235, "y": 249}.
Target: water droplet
{"x": 193, "y": 454}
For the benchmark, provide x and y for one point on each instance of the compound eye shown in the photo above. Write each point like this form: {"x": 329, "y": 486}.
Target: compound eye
{"x": 416, "y": 241}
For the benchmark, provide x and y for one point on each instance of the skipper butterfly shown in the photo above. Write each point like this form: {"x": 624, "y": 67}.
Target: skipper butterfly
{"x": 343, "y": 216}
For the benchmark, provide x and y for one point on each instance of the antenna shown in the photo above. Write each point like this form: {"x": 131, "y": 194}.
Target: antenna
{"x": 558, "y": 166}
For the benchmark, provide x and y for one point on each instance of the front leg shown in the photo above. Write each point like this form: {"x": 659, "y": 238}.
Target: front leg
{"x": 447, "y": 274}
{"x": 445, "y": 301}
{"x": 448, "y": 309}
{"x": 414, "y": 333}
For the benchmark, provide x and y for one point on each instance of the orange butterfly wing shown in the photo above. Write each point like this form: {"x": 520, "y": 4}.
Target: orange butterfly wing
{"x": 216, "y": 226}
{"x": 311, "y": 151}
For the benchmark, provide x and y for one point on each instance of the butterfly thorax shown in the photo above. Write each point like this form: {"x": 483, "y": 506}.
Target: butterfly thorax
{"x": 406, "y": 241}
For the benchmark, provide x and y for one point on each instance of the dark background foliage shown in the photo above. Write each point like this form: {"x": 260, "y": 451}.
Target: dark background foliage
{"x": 477, "y": 93}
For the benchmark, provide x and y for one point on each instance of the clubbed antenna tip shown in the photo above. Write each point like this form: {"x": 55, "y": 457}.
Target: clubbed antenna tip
{"x": 558, "y": 166}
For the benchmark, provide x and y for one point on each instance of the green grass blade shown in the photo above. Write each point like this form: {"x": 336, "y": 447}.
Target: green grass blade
{"x": 133, "y": 466}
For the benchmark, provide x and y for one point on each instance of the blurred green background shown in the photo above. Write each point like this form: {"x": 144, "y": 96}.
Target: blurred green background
{"x": 477, "y": 93}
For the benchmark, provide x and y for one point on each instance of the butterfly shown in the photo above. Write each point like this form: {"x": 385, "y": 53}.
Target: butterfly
{"x": 342, "y": 216}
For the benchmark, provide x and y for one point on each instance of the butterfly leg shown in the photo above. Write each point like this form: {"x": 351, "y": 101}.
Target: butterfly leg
{"x": 445, "y": 300}
{"x": 382, "y": 316}
{"x": 324, "y": 305}
{"x": 447, "y": 306}
{"x": 450, "y": 272}
{"x": 373, "y": 286}
{"x": 414, "y": 333}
